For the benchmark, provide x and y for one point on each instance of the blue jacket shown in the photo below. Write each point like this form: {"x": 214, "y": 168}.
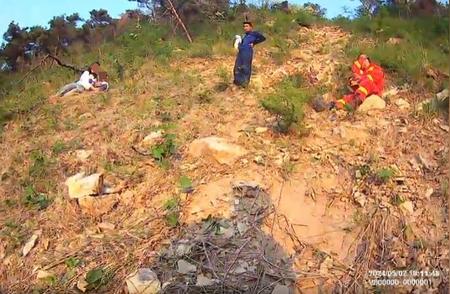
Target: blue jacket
{"x": 249, "y": 38}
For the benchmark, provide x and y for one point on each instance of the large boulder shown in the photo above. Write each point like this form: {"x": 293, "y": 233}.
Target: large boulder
{"x": 372, "y": 102}
{"x": 143, "y": 281}
{"x": 80, "y": 185}
{"x": 218, "y": 148}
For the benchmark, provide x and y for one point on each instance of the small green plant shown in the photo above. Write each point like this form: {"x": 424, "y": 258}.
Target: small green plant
{"x": 205, "y": 96}
{"x": 162, "y": 151}
{"x": 385, "y": 174}
{"x": 39, "y": 164}
{"x": 72, "y": 262}
{"x": 186, "y": 185}
{"x": 96, "y": 278}
{"x": 58, "y": 147}
{"x": 397, "y": 200}
{"x": 35, "y": 199}
{"x": 171, "y": 206}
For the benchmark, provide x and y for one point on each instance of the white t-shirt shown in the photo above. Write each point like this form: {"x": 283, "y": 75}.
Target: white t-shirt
{"x": 86, "y": 80}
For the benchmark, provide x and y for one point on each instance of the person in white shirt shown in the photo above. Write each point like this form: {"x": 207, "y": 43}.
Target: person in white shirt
{"x": 85, "y": 83}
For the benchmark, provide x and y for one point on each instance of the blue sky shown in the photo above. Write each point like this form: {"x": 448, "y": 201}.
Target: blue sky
{"x": 39, "y": 12}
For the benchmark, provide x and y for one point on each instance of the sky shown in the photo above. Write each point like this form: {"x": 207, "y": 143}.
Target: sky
{"x": 39, "y": 12}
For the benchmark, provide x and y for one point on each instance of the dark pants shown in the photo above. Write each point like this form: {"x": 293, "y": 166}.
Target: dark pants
{"x": 243, "y": 67}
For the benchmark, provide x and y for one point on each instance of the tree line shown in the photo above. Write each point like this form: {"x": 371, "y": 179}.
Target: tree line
{"x": 23, "y": 44}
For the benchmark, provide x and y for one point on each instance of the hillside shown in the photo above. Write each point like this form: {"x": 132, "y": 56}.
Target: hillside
{"x": 203, "y": 190}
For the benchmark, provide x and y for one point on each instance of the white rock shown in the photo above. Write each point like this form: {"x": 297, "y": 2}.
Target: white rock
{"x": 372, "y": 102}
{"x": 185, "y": 267}
{"x": 360, "y": 198}
{"x": 281, "y": 289}
{"x": 203, "y": 281}
{"x": 260, "y": 130}
{"x": 407, "y": 207}
{"x": 83, "y": 155}
{"x": 429, "y": 192}
{"x": 80, "y": 185}
{"x": 219, "y": 148}
{"x": 31, "y": 243}
{"x": 326, "y": 265}
{"x": 242, "y": 228}
{"x": 183, "y": 249}
{"x": 82, "y": 285}
{"x": 106, "y": 226}
{"x": 402, "y": 104}
{"x": 152, "y": 137}
{"x": 143, "y": 281}
{"x": 41, "y": 274}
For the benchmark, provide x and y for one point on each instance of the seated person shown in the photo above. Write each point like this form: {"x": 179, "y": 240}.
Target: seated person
{"x": 367, "y": 79}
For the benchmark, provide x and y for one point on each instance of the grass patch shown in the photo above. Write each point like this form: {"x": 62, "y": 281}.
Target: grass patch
{"x": 163, "y": 151}
{"x": 32, "y": 198}
{"x": 171, "y": 206}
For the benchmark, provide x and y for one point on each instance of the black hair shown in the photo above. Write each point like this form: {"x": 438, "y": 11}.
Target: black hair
{"x": 249, "y": 23}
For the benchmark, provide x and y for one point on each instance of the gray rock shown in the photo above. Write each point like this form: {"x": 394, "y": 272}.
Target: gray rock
{"x": 185, "y": 267}
{"x": 319, "y": 104}
{"x": 143, "y": 281}
{"x": 203, "y": 281}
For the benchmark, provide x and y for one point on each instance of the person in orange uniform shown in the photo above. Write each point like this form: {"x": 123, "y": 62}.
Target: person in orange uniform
{"x": 367, "y": 79}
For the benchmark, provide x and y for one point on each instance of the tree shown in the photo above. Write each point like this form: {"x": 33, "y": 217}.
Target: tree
{"x": 369, "y": 7}
{"x": 316, "y": 9}
{"x": 99, "y": 18}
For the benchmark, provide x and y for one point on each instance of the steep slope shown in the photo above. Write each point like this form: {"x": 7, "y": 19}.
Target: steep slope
{"x": 314, "y": 211}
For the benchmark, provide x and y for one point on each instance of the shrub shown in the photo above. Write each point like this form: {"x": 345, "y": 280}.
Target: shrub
{"x": 287, "y": 103}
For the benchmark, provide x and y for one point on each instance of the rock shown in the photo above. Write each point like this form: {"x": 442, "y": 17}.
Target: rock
{"x": 429, "y": 192}
{"x": 31, "y": 243}
{"x": 80, "y": 185}
{"x": 143, "y": 281}
{"x": 83, "y": 155}
{"x": 106, "y": 226}
{"x": 394, "y": 41}
{"x": 219, "y": 148}
{"x": 326, "y": 265}
{"x": 242, "y": 228}
{"x": 203, "y": 281}
{"x": 183, "y": 249}
{"x": 185, "y": 267}
{"x": 390, "y": 92}
{"x": 281, "y": 289}
{"x": 247, "y": 188}
{"x": 99, "y": 205}
{"x": 259, "y": 160}
{"x": 360, "y": 198}
{"x": 41, "y": 274}
{"x": 372, "y": 102}
{"x": 407, "y": 207}
{"x": 402, "y": 104}
{"x": 153, "y": 137}
{"x": 86, "y": 115}
{"x": 260, "y": 130}
{"x": 82, "y": 285}
{"x": 319, "y": 104}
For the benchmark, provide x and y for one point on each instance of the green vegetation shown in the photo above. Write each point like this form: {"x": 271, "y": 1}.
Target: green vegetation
{"x": 385, "y": 174}
{"x": 36, "y": 199}
{"x": 162, "y": 151}
{"x": 171, "y": 206}
{"x": 287, "y": 102}
{"x": 97, "y": 277}
{"x": 186, "y": 184}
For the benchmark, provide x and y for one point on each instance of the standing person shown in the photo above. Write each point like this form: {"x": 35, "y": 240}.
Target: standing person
{"x": 243, "y": 64}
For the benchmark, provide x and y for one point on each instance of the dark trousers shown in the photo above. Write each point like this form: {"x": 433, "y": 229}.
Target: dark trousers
{"x": 243, "y": 67}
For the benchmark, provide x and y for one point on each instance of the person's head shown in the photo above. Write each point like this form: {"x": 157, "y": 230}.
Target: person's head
{"x": 364, "y": 60}
{"x": 94, "y": 68}
{"x": 248, "y": 26}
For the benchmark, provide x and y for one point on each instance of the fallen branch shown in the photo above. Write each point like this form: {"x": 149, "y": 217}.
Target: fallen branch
{"x": 174, "y": 12}
{"x": 59, "y": 62}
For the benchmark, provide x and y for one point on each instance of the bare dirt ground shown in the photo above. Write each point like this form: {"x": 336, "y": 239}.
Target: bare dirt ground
{"x": 310, "y": 213}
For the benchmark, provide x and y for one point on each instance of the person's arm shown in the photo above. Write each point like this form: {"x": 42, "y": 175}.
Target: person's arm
{"x": 259, "y": 38}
